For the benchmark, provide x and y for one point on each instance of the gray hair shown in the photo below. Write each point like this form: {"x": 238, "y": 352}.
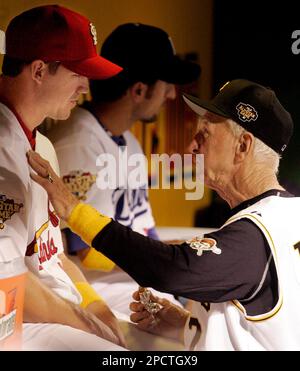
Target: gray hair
{"x": 263, "y": 154}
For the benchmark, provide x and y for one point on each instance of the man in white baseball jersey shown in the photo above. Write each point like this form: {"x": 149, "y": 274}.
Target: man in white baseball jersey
{"x": 100, "y": 127}
{"x": 244, "y": 278}
{"x": 50, "y": 54}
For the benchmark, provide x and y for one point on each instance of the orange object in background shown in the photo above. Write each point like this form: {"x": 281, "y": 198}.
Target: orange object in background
{"x": 12, "y": 288}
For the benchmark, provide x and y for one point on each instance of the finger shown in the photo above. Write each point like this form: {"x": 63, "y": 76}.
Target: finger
{"x": 136, "y": 296}
{"x": 39, "y": 159}
{"x": 42, "y": 170}
{"x": 35, "y": 162}
{"x": 40, "y": 180}
{"x": 139, "y": 316}
{"x": 41, "y": 166}
{"x": 37, "y": 167}
{"x": 43, "y": 182}
{"x": 136, "y": 307}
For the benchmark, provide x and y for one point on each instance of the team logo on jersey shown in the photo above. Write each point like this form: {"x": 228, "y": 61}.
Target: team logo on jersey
{"x": 129, "y": 205}
{"x": 8, "y": 207}
{"x": 43, "y": 244}
{"x": 79, "y": 183}
{"x": 204, "y": 244}
{"x": 246, "y": 112}
{"x": 53, "y": 217}
{"x": 94, "y": 33}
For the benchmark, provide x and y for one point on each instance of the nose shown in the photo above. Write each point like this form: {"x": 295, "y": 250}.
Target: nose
{"x": 84, "y": 85}
{"x": 171, "y": 94}
{"x": 193, "y": 147}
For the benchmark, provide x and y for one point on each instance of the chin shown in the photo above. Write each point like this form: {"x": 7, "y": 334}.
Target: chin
{"x": 64, "y": 114}
{"x": 149, "y": 120}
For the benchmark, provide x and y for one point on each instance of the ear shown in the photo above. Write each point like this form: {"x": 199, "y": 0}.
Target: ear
{"x": 138, "y": 91}
{"x": 244, "y": 147}
{"x": 38, "y": 70}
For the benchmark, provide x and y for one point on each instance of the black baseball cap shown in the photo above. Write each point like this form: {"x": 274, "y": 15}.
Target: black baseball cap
{"x": 252, "y": 106}
{"x": 147, "y": 52}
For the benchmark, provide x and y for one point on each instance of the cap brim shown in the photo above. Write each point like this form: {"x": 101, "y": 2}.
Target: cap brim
{"x": 180, "y": 72}
{"x": 96, "y": 68}
{"x": 201, "y": 107}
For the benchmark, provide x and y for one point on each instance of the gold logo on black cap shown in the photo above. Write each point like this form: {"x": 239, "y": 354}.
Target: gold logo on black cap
{"x": 246, "y": 112}
{"x": 94, "y": 33}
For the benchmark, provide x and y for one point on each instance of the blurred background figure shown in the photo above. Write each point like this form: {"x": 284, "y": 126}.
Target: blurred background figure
{"x": 101, "y": 126}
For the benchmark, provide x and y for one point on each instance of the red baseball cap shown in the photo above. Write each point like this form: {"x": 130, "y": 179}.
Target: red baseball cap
{"x": 54, "y": 33}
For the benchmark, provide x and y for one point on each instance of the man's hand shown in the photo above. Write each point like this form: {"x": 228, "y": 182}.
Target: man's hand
{"x": 168, "y": 322}
{"x": 99, "y": 308}
{"x": 42, "y": 305}
{"x": 102, "y": 312}
{"x": 59, "y": 195}
{"x": 93, "y": 325}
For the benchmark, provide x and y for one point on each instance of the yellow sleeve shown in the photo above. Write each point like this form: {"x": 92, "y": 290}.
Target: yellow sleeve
{"x": 89, "y": 295}
{"x": 87, "y": 222}
{"x": 96, "y": 260}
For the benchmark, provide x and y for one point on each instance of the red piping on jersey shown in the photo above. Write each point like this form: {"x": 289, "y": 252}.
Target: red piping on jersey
{"x": 30, "y": 135}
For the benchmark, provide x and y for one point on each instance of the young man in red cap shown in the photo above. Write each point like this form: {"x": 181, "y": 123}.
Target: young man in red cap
{"x": 102, "y": 127}
{"x": 50, "y": 55}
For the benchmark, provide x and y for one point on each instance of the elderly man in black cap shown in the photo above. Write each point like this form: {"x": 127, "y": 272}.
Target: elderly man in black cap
{"x": 243, "y": 278}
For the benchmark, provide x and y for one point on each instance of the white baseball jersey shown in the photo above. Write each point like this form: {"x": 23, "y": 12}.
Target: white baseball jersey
{"x": 227, "y": 326}
{"x": 28, "y": 225}
{"x": 78, "y": 143}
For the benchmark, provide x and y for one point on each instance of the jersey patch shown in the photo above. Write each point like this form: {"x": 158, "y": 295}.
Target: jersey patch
{"x": 204, "y": 244}
{"x": 79, "y": 183}
{"x": 8, "y": 207}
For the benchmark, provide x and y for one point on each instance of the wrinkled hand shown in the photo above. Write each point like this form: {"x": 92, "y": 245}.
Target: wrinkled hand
{"x": 168, "y": 322}
{"x": 59, "y": 195}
